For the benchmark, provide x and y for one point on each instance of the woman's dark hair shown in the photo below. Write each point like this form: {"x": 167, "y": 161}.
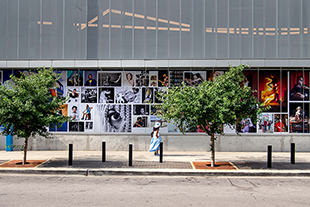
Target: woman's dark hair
{"x": 155, "y": 129}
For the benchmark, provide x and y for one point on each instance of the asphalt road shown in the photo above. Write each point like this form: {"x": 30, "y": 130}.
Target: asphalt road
{"x": 16, "y": 190}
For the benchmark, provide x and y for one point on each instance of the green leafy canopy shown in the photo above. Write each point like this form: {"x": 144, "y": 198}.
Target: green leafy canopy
{"x": 212, "y": 104}
{"x": 25, "y": 103}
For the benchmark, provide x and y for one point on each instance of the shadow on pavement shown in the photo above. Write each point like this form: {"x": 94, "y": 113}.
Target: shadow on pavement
{"x": 275, "y": 166}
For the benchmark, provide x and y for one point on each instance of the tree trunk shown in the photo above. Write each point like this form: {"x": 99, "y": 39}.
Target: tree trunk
{"x": 212, "y": 151}
{"x": 25, "y": 151}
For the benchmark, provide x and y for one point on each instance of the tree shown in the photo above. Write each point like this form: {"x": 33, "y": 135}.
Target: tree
{"x": 27, "y": 104}
{"x": 211, "y": 105}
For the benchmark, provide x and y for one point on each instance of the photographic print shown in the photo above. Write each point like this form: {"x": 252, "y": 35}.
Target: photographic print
{"x": 176, "y": 78}
{"x": 115, "y": 118}
{"x": 158, "y": 92}
{"x": 246, "y": 126}
{"x": 128, "y": 95}
{"x": 73, "y": 112}
{"x": 147, "y": 95}
{"x": 129, "y": 78}
{"x": 73, "y": 94}
{"x": 265, "y": 122}
{"x": 270, "y": 91}
{"x": 90, "y": 78}
{"x": 214, "y": 74}
{"x": 163, "y": 79}
{"x": 106, "y": 95}
{"x": 153, "y": 78}
{"x": 76, "y": 126}
{"x": 140, "y": 121}
{"x": 142, "y": 78}
{"x": 299, "y": 118}
{"x": 86, "y": 112}
{"x": 141, "y": 109}
{"x": 74, "y": 78}
{"x": 281, "y": 123}
{"x": 89, "y": 95}
{"x": 110, "y": 79}
{"x": 89, "y": 126}
{"x": 194, "y": 78}
{"x": 299, "y": 85}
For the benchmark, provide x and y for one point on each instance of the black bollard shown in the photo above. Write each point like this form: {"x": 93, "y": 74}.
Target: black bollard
{"x": 292, "y": 153}
{"x": 161, "y": 152}
{"x": 103, "y": 152}
{"x": 269, "y": 156}
{"x": 130, "y": 154}
{"x": 70, "y": 154}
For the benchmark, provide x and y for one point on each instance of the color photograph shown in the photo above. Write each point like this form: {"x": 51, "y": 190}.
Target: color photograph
{"x": 299, "y": 85}
{"x": 176, "y": 78}
{"x": 299, "y": 118}
{"x": 140, "y": 121}
{"x": 246, "y": 126}
{"x": 265, "y": 123}
{"x": 147, "y": 95}
{"x": 110, "y": 79}
{"x": 271, "y": 92}
{"x": 163, "y": 79}
{"x": 281, "y": 123}
{"x": 194, "y": 78}
{"x": 74, "y": 78}
{"x": 115, "y": 118}
{"x": 90, "y": 78}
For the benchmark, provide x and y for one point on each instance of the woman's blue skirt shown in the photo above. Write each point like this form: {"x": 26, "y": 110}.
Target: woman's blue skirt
{"x": 155, "y": 143}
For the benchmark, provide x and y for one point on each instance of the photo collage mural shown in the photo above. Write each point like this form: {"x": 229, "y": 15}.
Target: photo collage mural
{"x": 121, "y": 101}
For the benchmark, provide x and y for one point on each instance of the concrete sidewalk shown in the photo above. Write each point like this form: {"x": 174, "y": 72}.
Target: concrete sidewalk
{"x": 145, "y": 163}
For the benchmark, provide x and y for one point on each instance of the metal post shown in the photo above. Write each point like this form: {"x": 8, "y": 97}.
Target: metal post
{"x": 161, "y": 152}
{"x": 292, "y": 153}
{"x": 103, "y": 152}
{"x": 130, "y": 154}
{"x": 70, "y": 154}
{"x": 269, "y": 155}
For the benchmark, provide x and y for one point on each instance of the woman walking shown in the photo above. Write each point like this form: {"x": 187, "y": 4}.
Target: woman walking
{"x": 156, "y": 139}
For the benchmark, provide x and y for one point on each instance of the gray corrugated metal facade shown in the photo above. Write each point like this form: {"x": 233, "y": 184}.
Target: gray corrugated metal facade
{"x": 154, "y": 29}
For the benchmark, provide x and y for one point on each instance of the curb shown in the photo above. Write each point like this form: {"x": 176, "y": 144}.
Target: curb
{"x": 142, "y": 172}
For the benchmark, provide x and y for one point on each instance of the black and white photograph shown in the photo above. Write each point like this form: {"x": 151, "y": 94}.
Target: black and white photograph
{"x": 140, "y": 121}
{"x": 142, "y": 78}
{"x": 129, "y": 78}
{"x": 115, "y": 118}
{"x": 89, "y": 126}
{"x": 141, "y": 109}
{"x": 147, "y": 95}
{"x": 106, "y": 95}
{"x": 74, "y": 95}
{"x": 89, "y": 95}
{"x": 75, "y": 78}
{"x": 176, "y": 78}
{"x": 90, "y": 78}
{"x": 110, "y": 79}
{"x": 76, "y": 126}
{"x": 127, "y": 95}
